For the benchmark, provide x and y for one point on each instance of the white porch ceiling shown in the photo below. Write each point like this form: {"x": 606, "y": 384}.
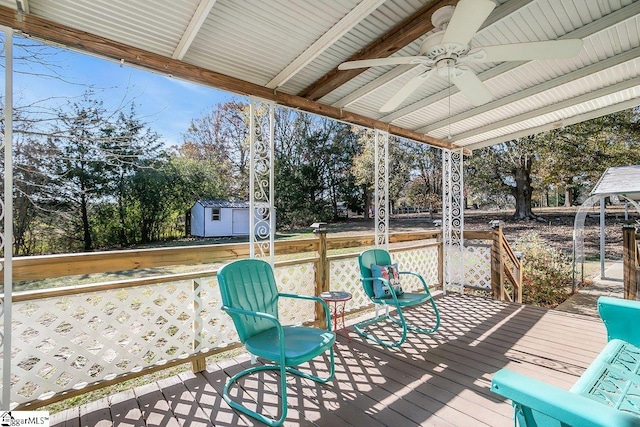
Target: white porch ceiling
{"x": 288, "y": 46}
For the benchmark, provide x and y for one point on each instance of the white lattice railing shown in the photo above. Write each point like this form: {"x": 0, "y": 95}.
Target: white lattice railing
{"x": 66, "y": 340}
{"x": 423, "y": 259}
{"x": 70, "y": 340}
{"x": 477, "y": 264}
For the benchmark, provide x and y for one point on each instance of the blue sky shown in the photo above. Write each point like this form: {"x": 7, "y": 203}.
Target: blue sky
{"x": 166, "y": 104}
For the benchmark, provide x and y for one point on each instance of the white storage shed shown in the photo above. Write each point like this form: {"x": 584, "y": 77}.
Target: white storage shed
{"x": 219, "y": 218}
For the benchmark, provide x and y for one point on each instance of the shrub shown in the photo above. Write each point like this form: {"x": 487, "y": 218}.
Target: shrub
{"x": 547, "y": 274}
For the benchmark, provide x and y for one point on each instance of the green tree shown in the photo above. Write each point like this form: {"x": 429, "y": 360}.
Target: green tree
{"x": 80, "y": 163}
{"x": 572, "y": 157}
{"x": 576, "y": 156}
{"x": 424, "y": 186}
{"x": 220, "y": 139}
{"x": 30, "y": 182}
{"x": 193, "y": 180}
{"x": 363, "y": 168}
{"x": 152, "y": 190}
{"x": 399, "y": 172}
{"x": 507, "y": 168}
{"x": 127, "y": 144}
{"x": 71, "y": 162}
{"x": 300, "y": 170}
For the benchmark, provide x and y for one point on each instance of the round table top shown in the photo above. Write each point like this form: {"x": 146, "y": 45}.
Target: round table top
{"x": 336, "y": 296}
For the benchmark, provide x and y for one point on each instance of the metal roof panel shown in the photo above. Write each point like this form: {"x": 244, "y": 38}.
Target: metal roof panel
{"x": 618, "y": 180}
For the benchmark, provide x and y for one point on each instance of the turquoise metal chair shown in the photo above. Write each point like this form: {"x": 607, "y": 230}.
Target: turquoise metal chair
{"x": 399, "y": 302}
{"x": 605, "y": 395}
{"x": 250, "y": 296}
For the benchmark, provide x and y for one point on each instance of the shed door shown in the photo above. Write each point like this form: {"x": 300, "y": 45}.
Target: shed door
{"x": 240, "y": 223}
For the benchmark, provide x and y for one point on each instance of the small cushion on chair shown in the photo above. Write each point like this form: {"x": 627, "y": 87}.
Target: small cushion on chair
{"x": 390, "y": 273}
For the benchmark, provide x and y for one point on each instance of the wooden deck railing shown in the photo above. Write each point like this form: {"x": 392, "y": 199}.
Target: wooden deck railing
{"x": 631, "y": 261}
{"x": 506, "y": 269}
{"x": 73, "y": 339}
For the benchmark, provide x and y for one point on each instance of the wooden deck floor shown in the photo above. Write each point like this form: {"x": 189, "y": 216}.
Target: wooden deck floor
{"x": 437, "y": 380}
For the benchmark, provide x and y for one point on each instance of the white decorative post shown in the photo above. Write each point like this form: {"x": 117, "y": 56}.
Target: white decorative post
{"x": 6, "y": 213}
{"x": 262, "y": 220}
{"x": 453, "y": 220}
{"x": 381, "y": 164}
{"x": 262, "y": 223}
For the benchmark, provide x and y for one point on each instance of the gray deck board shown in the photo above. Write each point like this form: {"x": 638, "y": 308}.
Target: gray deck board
{"x": 437, "y": 380}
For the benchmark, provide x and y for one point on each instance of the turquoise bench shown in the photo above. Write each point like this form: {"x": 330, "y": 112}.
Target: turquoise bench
{"x": 607, "y": 393}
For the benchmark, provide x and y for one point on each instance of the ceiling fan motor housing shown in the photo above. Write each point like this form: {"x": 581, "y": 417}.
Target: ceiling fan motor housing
{"x": 433, "y": 48}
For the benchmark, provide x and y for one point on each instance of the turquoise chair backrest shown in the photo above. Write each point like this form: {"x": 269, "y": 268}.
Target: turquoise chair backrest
{"x": 249, "y": 284}
{"x": 366, "y": 258}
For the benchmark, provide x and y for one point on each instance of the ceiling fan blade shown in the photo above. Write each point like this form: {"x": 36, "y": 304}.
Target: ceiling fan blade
{"x": 471, "y": 86}
{"x": 405, "y": 91}
{"x": 552, "y": 49}
{"x": 467, "y": 18}
{"x": 376, "y": 62}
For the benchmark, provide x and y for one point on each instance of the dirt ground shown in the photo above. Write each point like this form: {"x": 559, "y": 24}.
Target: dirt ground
{"x": 557, "y": 227}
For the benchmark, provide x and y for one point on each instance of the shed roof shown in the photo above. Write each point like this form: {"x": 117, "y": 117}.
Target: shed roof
{"x": 288, "y": 51}
{"x": 224, "y": 204}
{"x": 622, "y": 180}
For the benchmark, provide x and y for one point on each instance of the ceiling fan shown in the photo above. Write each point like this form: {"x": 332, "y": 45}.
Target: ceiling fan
{"x": 445, "y": 52}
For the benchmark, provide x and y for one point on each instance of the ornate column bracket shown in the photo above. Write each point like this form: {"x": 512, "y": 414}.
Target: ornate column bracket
{"x": 453, "y": 220}
{"x": 381, "y": 164}
{"x": 262, "y": 220}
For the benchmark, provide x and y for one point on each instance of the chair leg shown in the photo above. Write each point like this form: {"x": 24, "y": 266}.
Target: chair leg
{"x": 315, "y": 377}
{"x": 359, "y": 328}
{"x": 283, "y": 388}
{"x": 399, "y": 320}
{"x": 418, "y": 329}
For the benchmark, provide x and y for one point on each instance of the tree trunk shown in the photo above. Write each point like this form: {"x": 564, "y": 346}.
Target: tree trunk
{"x": 187, "y": 223}
{"x": 145, "y": 231}
{"x": 122, "y": 213}
{"x": 567, "y": 197}
{"x": 367, "y": 201}
{"x": 523, "y": 191}
{"x": 86, "y": 228}
{"x": 546, "y": 198}
{"x": 123, "y": 226}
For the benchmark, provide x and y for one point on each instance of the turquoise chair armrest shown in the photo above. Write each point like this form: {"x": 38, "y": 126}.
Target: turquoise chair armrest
{"x": 542, "y": 405}
{"x": 621, "y": 317}
{"x": 239, "y": 311}
{"x": 312, "y": 298}
{"x": 419, "y": 276}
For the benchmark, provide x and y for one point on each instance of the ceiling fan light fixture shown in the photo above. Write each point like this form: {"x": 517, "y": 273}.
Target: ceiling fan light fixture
{"x": 446, "y": 68}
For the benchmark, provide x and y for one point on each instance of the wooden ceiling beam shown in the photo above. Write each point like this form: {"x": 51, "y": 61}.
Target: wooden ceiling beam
{"x": 398, "y": 37}
{"x": 46, "y": 30}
